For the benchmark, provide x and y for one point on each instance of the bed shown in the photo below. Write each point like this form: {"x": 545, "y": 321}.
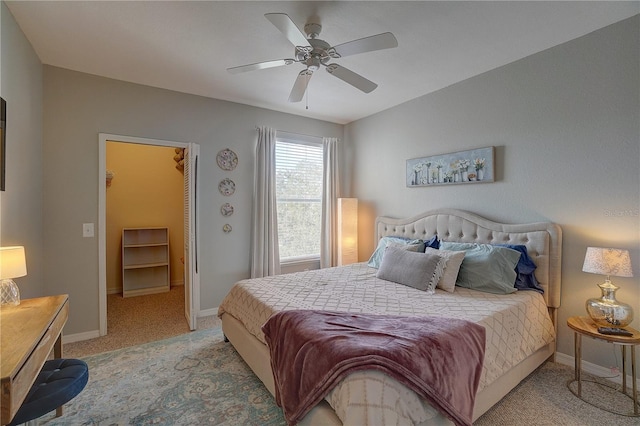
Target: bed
{"x": 521, "y": 327}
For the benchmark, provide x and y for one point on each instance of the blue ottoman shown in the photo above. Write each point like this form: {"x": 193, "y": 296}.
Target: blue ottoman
{"x": 59, "y": 381}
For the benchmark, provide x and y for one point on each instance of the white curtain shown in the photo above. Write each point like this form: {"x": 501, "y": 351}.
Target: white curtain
{"x": 330, "y": 194}
{"x": 265, "y": 256}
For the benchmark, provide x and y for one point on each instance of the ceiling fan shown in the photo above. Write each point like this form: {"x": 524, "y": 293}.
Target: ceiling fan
{"x": 314, "y": 52}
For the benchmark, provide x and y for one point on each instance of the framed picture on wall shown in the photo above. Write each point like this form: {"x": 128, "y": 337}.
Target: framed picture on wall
{"x": 3, "y": 145}
{"x": 471, "y": 166}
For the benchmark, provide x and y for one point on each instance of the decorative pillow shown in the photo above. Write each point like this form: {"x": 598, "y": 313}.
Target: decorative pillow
{"x": 407, "y": 247}
{"x": 418, "y": 270}
{"x": 448, "y": 279}
{"x": 486, "y": 267}
{"x": 525, "y": 276}
{"x": 433, "y": 242}
{"x": 376, "y": 257}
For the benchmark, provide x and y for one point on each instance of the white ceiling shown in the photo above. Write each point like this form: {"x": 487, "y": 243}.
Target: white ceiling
{"x": 187, "y": 46}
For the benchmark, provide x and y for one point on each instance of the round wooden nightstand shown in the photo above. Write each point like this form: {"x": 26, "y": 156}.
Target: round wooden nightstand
{"x": 584, "y": 326}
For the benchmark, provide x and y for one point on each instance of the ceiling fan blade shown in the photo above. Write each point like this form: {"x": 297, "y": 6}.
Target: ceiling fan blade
{"x": 288, "y": 28}
{"x": 300, "y": 86}
{"x": 354, "y": 79}
{"x": 260, "y": 65}
{"x": 367, "y": 44}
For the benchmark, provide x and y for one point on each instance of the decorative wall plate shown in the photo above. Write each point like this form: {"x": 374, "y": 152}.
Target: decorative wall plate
{"x": 227, "y": 159}
{"x": 227, "y": 187}
{"x": 226, "y": 209}
{"x": 226, "y": 228}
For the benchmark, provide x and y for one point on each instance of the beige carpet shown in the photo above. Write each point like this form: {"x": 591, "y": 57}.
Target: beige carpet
{"x": 136, "y": 320}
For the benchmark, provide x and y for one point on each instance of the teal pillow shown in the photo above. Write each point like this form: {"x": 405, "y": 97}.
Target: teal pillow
{"x": 376, "y": 258}
{"x": 485, "y": 267}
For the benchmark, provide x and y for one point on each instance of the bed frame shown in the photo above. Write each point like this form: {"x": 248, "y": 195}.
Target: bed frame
{"x": 544, "y": 244}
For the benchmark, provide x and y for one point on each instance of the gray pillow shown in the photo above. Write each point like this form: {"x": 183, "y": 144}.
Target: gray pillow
{"x": 418, "y": 270}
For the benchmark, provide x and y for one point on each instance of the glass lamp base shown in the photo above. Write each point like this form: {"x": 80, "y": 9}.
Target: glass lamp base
{"x": 9, "y": 293}
{"x": 607, "y": 311}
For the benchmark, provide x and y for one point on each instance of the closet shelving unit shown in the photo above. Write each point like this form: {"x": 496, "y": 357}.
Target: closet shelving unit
{"x": 145, "y": 261}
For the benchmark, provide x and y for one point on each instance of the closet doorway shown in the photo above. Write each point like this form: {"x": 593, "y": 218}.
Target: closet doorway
{"x": 172, "y": 203}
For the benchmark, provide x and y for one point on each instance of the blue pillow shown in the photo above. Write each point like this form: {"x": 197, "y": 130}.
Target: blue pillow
{"x": 433, "y": 242}
{"x": 486, "y": 267}
{"x": 376, "y": 258}
{"x": 526, "y": 278}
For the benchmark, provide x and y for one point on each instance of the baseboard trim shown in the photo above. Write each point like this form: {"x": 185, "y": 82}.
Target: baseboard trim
{"x": 594, "y": 369}
{"x": 208, "y": 312}
{"x": 77, "y": 337}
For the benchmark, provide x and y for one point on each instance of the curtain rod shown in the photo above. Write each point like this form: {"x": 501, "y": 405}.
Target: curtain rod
{"x": 296, "y": 134}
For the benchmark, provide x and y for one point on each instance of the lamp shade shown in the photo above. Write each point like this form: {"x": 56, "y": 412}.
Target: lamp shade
{"x": 12, "y": 262}
{"x": 347, "y": 231}
{"x": 607, "y": 261}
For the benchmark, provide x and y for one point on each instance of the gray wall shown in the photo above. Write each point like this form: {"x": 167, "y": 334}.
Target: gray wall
{"x": 77, "y": 107}
{"x": 566, "y": 128}
{"x": 21, "y": 203}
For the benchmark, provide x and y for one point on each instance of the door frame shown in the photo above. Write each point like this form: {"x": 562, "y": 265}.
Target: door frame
{"x": 102, "y": 220}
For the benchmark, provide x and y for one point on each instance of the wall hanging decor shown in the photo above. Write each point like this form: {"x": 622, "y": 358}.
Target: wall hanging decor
{"x": 109, "y": 175}
{"x": 472, "y": 166}
{"x": 227, "y": 159}
{"x": 179, "y": 159}
{"x": 226, "y": 209}
{"x": 227, "y": 228}
{"x": 227, "y": 187}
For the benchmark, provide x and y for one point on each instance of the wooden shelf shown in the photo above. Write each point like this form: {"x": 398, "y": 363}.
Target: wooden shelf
{"x": 145, "y": 261}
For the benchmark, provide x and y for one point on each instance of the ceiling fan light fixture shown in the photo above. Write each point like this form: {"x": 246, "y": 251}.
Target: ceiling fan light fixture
{"x": 313, "y": 64}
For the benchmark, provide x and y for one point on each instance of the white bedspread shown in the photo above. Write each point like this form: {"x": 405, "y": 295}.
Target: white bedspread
{"x": 517, "y": 325}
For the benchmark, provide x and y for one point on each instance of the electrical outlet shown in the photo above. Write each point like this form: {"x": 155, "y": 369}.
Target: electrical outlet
{"x": 87, "y": 230}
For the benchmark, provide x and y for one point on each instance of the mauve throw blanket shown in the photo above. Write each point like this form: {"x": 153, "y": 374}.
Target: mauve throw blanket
{"x": 312, "y": 351}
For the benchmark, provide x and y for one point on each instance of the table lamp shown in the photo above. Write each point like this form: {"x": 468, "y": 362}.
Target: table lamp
{"x": 607, "y": 311}
{"x": 12, "y": 265}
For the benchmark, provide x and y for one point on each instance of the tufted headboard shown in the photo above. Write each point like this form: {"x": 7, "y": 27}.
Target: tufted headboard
{"x": 543, "y": 240}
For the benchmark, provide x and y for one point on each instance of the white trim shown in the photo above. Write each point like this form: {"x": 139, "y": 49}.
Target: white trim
{"x": 78, "y": 337}
{"x": 208, "y": 312}
{"x": 595, "y": 369}
{"x": 102, "y": 213}
{"x": 296, "y": 260}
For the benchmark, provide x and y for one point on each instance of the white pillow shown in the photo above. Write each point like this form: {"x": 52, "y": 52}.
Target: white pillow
{"x": 447, "y": 281}
{"x": 417, "y": 270}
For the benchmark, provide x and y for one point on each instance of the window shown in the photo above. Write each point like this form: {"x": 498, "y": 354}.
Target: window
{"x": 298, "y": 198}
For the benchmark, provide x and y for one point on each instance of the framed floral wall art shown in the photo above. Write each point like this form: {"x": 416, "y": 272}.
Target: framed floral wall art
{"x": 471, "y": 166}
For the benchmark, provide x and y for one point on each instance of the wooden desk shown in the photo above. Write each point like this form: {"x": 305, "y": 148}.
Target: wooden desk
{"x": 28, "y": 333}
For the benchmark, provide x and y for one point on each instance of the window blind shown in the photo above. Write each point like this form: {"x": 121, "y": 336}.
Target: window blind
{"x": 299, "y": 198}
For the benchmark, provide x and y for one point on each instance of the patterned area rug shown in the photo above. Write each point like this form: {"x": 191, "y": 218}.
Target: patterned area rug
{"x": 198, "y": 379}
{"x": 191, "y": 379}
